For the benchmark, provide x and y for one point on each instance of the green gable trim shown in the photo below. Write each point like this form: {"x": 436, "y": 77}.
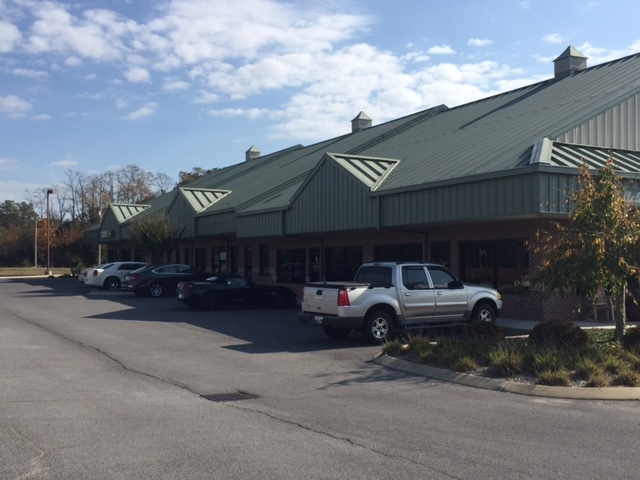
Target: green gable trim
{"x": 570, "y": 155}
{"x": 369, "y": 170}
{"x": 124, "y": 211}
{"x": 202, "y": 198}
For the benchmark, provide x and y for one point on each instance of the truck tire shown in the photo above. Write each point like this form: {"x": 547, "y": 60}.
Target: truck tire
{"x": 377, "y": 327}
{"x": 336, "y": 332}
{"x": 483, "y": 312}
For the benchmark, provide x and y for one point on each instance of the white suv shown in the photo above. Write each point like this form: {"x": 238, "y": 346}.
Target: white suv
{"x": 109, "y": 275}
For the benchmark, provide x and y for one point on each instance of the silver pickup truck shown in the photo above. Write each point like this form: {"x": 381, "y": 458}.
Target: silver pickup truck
{"x": 385, "y": 296}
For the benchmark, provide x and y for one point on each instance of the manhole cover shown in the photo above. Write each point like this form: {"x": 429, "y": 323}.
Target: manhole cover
{"x": 229, "y": 397}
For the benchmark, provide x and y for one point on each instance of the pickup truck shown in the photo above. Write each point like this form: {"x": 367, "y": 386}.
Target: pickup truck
{"x": 386, "y": 296}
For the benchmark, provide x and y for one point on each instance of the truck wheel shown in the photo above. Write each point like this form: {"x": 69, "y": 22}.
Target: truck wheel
{"x": 377, "y": 327}
{"x": 336, "y": 332}
{"x": 483, "y": 312}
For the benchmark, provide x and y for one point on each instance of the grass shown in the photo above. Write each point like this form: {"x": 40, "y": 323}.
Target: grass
{"x": 31, "y": 271}
{"x": 601, "y": 362}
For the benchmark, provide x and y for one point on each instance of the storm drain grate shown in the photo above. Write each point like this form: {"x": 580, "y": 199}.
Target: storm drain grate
{"x": 229, "y": 397}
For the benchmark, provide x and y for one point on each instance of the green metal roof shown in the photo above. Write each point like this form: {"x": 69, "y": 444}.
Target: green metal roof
{"x": 493, "y": 136}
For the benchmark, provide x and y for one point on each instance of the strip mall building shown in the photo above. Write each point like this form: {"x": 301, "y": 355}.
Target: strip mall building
{"x": 467, "y": 186}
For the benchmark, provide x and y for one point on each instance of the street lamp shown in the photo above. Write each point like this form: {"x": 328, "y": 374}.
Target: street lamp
{"x": 49, "y": 192}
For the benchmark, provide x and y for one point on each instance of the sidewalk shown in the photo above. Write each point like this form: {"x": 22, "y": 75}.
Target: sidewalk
{"x": 523, "y": 327}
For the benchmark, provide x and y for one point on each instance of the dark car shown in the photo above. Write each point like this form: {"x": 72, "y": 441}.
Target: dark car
{"x": 233, "y": 291}
{"x": 158, "y": 280}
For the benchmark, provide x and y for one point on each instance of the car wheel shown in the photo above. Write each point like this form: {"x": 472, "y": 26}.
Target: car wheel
{"x": 281, "y": 301}
{"x": 336, "y": 332}
{"x": 210, "y": 302}
{"x": 111, "y": 283}
{"x": 155, "y": 290}
{"x": 377, "y": 326}
{"x": 483, "y": 312}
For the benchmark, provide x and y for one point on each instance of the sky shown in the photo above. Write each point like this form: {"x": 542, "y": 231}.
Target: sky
{"x": 168, "y": 85}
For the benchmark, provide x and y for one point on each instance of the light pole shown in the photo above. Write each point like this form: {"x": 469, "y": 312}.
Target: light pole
{"x": 35, "y": 247}
{"x": 100, "y": 231}
{"x": 49, "y": 192}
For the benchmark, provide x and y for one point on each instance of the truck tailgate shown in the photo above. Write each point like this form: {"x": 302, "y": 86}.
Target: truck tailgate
{"x": 322, "y": 298}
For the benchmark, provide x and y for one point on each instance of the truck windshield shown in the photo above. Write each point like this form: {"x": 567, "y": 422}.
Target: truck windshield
{"x": 374, "y": 275}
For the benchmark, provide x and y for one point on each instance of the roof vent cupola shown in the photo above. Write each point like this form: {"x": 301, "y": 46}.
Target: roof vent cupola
{"x": 252, "y": 153}
{"x": 361, "y": 122}
{"x": 569, "y": 62}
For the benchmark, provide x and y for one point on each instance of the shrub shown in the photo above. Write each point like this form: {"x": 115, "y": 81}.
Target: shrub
{"x": 464, "y": 364}
{"x": 586, "y": 368}
{"x": 549, "y": 359}
{"x": 559, "y": 334}
{"x": 450, "y": 351}
{"x": 627, "y": 378}
{"x": 484, "y": 331}
{"x": 631, "y": 340}
{"x": 556, "y": 378}
{"x": 393, "y": 347}
{"x": 613, "y": 365}
{"x": 597, "y": 380}
{"x": 505, "y": 361}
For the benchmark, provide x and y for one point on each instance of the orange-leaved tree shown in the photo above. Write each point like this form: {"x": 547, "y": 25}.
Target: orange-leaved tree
{"x": 596, "y": 248}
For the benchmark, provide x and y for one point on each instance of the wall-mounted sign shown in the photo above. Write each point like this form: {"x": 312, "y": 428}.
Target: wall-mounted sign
{"x": 107, "y": 234}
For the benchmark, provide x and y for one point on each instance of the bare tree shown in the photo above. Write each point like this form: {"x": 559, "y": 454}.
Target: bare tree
{"x": 134, "y": 184}
{"x": 161, "y": 183}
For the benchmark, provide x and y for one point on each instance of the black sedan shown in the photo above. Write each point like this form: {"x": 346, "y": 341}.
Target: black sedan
{"x": 158, "y": 280}
{"x": 233, "y": 291}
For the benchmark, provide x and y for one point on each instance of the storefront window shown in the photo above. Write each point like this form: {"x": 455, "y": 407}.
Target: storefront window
{"x": 398, "y": 253}
{"x": 342, "y": 262}
{"x": 499, "y": 264}
{"x": 291, "y": 266}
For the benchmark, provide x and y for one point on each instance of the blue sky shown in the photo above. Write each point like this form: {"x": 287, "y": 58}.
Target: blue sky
{"x": 92, "y": 86}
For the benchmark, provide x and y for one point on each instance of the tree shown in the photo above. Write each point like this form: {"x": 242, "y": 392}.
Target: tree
{"x": 17, "y": 224}
{"x": 185, "y": 178}
{"x": 155, "y": 234}
{"x": 597, "y": 247}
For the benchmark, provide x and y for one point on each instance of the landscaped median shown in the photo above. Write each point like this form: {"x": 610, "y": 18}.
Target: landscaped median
{"x": 557, "y": 359}
{"x": 502, "y": 385}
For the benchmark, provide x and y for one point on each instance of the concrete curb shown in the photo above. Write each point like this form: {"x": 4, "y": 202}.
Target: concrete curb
{"x": 575, "y": 393}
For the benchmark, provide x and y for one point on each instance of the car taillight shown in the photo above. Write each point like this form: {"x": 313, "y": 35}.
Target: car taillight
{"x": 95, "y": 273}
{"x": 343, "y": 298}
{"x": 134, "y": 277}
{"x": 185, "y": 287}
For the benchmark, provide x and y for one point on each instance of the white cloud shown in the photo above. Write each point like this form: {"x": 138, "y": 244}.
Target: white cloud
{"x": 10, "y": 37}
{"x": 42, "y": 117}
{"x": 441, "y": 50}
{"x": 8, "y": 163}
{"x": 73, "y": 61}
{"x": 553, "y": 38}
{"x": 137, "y": 75}
{"x": 252, "y": 113}
{"x": 26, "y": 72}
{"x": 98, "y": 35}
{"x": 14, "y": 106}
{"x": 146, "y": 111}
{"x": 63, "y": 164}
{"x": 173, "y": 85}
{"x": 479, "y": 42}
